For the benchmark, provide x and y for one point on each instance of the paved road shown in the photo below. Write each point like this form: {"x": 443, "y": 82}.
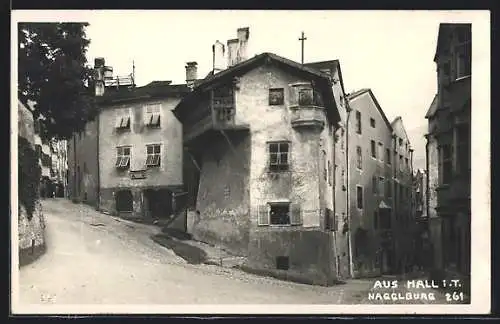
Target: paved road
{"x": 94, "y": 258}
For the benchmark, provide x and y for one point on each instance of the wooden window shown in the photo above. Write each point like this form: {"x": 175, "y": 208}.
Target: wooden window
{"x": 407, "y": 163}
{"x": 372, "y": 122}
{"x": 358, "y": 122}
{"x": 381, "y": 186}
{"x": 359, "y": 158}
{"x": 153, "y": 158}
{"x": 359, "y": 197}
{"x": 388, "y": 188}
{"x": 388, "y": 156}
{"x": 122, "y": 157}
{"x": 374, "y": 185}
{"x": 279, "y": 156}
{"x": 401, "y": 166}
{"x": 380, "y": 151}
{"x": 279, "y": 213}
{"x": 400, "y": 142}
{"x": 330, "y": 220}
{"x": 325, "y": 166}
{"x": 276, "y": 96}
{"x": 122, "y": 121}
{"x": 373, "y": 147}
{"x": 152, "y": 115}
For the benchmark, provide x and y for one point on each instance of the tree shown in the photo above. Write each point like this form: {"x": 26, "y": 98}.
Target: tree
{"x": 54, "y": 75}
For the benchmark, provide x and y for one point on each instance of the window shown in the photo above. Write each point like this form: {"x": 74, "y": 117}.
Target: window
{"x": 122, "y": 120}
{"x": 463, "y": 54}
{"x": 374, "y": 185}
{"x": 122, "y": 157}
{"x": 306, "y": 97}
{"x": 372, "y": 122}
{"x": 153, "y": 158}
{"x": 381, "y": 151}
{"x": 373, "y": 149}
{"x": 381, "y": 186}
{"x": 279, "y": 213}
{"x": 407, "y": 163}
{"x": 152, "y": 115}
{"x": 276, "y": 96}
{"x": 359, "y": 197}
{"x": 330, "y": 220}
{"x": 400, "y": 162}
{"x": 282, "y": 263}
{"x": 388, "y": 188}
{"x": 446, "y": 164}
{"x": 400, "y": 142}
{"x": 463, "y": 154}
{"x": 278, "y": 156}
{"x": 358, "y": 122}
{"x": 359, "y": 158}
{"x": 388, "y": 156}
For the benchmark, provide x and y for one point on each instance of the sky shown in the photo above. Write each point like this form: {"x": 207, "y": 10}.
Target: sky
{"x": 390, "y": 52}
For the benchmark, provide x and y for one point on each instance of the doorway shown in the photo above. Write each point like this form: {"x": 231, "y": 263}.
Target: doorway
{"x": 158, "y": 203}
{"x": 124, "y": 201}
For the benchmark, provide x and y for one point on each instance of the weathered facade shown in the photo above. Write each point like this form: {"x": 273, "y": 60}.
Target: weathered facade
{"x": 31, "y": 230}
{"x": 83, "y": 168}
{"x": 448, "y": 152}
{"x": 379, "y": 187}
{"x": 261, "y": 136}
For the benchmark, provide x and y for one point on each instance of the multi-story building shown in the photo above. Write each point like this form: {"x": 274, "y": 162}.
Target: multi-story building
{"x": 129, "y": 159}
{"x": 261, "y": 136}
{"x": 379, "y": 172}
{"x": 83, "y": 168}
{"x": 448, "y": 152}
{"x": 53, "y": 173}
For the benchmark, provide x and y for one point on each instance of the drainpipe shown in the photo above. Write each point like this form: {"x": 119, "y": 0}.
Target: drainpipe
{"x": 98, "y": 189}
{"x": 427, "y": 191}
{"x": 348, "y": 205}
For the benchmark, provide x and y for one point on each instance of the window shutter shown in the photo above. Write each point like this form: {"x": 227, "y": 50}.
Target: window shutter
{"x": 295, "y": 214}
{"x": 263, "y": 215}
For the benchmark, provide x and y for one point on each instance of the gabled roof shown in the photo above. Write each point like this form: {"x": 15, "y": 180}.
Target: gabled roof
{"x": 400, "y": 119}
{"x": 321, "y": 80}
{"x": 332, "y": 64}
{"x": 155, "y": 89}
{"x": 355, "y": 94}
{"x": 432, "y": 108}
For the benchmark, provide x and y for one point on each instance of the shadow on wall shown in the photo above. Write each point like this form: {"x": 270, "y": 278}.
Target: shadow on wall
{"x": 31, "y": 235}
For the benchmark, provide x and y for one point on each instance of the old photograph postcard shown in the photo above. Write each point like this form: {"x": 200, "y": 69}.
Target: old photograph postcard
{"x": 236, "y": 162}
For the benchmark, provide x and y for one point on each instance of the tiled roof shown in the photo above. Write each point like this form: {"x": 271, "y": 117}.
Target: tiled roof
{"x": 155, "y": 89}
{"x": 245, "y": 66}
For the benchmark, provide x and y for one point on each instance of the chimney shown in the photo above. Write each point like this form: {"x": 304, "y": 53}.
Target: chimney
{"x": 243, "y": 35}
{"x": 191, "y": 73}
{"x": 99, "y": 76}
{"x": 232, "y": 52}
{"x": 218, "y": 50}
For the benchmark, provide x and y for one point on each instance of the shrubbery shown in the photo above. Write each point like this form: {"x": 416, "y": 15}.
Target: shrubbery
{"x": 29, "y": 173}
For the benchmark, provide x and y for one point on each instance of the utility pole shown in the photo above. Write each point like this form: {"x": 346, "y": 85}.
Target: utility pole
{"x": 302, "y": 39}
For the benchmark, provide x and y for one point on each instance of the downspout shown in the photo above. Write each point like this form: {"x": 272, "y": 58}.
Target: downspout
{"x": 348, "y": 205}
{"x": 98, "y": 189}
{"x": 74, "y": 167}
{"x": 427, "y": 191}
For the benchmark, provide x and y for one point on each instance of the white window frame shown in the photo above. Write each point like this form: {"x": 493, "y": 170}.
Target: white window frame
{"x": 152, "y": 115}
{"x": 153, "y": 159}
{"x": 123, "y": 119}
{"x": 122, "y": 159}
{"x": 276, "y": 167}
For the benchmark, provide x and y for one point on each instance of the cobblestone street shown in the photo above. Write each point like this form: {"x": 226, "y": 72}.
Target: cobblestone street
{"x": 94, "y": 258}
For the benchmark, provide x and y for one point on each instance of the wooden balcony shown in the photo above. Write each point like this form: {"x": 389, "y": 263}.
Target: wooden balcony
{"x": 308, "y": 117}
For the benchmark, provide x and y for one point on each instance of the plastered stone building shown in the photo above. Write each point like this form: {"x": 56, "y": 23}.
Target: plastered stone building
{"x": 260, "y": 147}
{"x": 449, "y": 153}
{"x": 380, "y": 187}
